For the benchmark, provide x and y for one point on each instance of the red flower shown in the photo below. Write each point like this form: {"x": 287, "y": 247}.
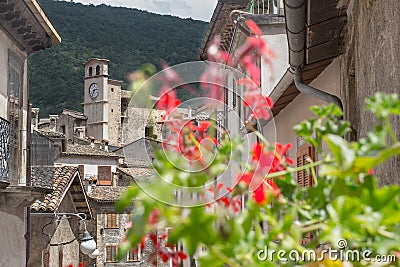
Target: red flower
{"x": 260, "y": 106}
{"x": 253, "y": 27}
{"x": 263, "y": 162}
{"x": 168, "y": 100}
{"x": 153, "y": 217}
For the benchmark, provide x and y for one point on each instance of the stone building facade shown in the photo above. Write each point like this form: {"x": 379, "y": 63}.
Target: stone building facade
{"x": 112, "y": 226}
{"x": 24, "y": 30}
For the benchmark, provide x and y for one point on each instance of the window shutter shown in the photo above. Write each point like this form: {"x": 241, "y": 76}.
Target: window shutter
{"x": 111, "y": 253}
{"x": 104, "y": 175}
{"x": 111, "y": 220}
{"x": 304, "y": 178}
{"x": 134, "y": 254}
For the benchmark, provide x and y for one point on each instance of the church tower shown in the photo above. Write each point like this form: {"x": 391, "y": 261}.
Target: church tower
{"x": 102, "y": 102}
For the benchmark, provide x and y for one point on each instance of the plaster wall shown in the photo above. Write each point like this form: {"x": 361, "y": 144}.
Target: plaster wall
{"x": 12, "y": 241}
{"x": 90, "y": 164}
{"x": 298, "y": 110}
{"x": 273, "y": 70}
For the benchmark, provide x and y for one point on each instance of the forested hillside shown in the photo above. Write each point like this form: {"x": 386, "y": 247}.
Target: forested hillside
{"x": 127, "y": 37}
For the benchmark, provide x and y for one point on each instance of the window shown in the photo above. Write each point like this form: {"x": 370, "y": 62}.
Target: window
{"x": 97, "y": 70}
{"x": 104, "y": 175}
{"x": 111, "y": 253}
{"x": 111, "y": 220}
{"x": 304, "y": 178}
{"x": 134, "y": 254}
{"x": 112, "y": 89}
{"x": 90, "y": 71}
{"x": 304, "y": 152}
{"x": 15, "y": 102}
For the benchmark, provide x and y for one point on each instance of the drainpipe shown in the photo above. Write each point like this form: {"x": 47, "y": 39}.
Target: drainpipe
{"x": 295, "y": 16}
{"x": 306, "y": 89}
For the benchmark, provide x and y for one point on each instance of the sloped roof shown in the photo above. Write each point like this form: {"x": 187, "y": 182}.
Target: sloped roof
{"x": 74, "y": 114}
{"x": 221, "y": 25}
{"x": 50, "y": 134}
{"x": 107, "y": 193}
{"x": 126, "y": 94}
{"x": 137, "y": 173}
{"x": 88, "y": 150}
{"x": 43, "y": 20}
{"x": 65, "y": 178}
{"x": 97, "y": 59}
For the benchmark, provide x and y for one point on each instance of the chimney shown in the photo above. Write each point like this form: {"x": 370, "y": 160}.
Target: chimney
{"x": 35, "y": 115}
{"x": 190, "y": 113}
{"x": 53, "y": 123}
{"x": 91, "y": 141}
{"x": 105, "y": 145}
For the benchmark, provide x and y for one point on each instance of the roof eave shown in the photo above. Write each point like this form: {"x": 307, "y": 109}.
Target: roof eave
{"x": 39, "y": 14}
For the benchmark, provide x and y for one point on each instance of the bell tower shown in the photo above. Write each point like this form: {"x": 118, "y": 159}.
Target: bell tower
{"x": 95, "y": 103}
{"x": 102, "y": 102}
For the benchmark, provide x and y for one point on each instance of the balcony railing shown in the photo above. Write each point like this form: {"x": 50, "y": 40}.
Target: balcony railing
{"x": 5, "y": 132}
{"x": 270, "y": 7}
{"x": 42, "y": 161}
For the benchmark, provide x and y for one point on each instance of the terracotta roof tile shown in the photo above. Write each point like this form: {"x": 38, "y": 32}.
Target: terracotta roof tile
{"x": 74, "y": 113}
{"x": 62, "y": 178}
{"x": 137, "y": 173}
{"x": 107, "y": 193}
{"x": 87, "y": 150}
{"x": 50, "y": 134}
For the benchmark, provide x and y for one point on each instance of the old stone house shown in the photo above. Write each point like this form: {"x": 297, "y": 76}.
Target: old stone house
{"x": 325, "y": 54}
{"x": 96, "y": 165}
{"x": 56, "y": 243}
{"x": 24, "y": 29}
{"x": 112, "y": 226}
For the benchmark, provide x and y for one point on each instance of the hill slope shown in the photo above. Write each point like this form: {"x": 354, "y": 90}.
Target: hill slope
{"x": 127, "y": 37}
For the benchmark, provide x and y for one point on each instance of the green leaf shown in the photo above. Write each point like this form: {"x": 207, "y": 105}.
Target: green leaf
{"x": 341, "y": 150}
{"x": 127, "y": 198}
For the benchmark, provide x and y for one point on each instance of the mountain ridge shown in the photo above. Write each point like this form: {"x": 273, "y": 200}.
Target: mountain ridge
{"x": 127, "y": 37}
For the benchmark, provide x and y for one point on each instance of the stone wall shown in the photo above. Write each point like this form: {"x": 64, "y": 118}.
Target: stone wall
{"x": 114, "y": 117}
{"x": 43, "y": 228}
{"x": 371, "y": 63}
{"x": 107, "y": 236}
{"x": 64, "y": 242}
{"x": 136, "y": 122}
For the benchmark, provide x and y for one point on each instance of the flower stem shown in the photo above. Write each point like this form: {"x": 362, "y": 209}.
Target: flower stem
{"x": 291, "y": 170}
{"x": 223, "y": 257}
